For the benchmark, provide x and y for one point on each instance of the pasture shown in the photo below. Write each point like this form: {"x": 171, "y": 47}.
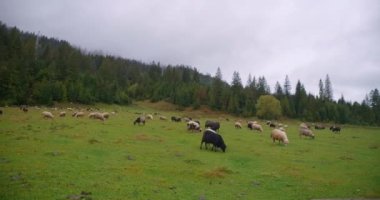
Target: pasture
{"x": 82, "y": 158}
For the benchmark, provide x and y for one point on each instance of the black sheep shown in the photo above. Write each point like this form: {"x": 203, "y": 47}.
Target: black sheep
{"x": 335, "y": 129}
{"x": 176, "y": 119}
{"x": 211, "y": 137}
{"x": 213, "y": 125}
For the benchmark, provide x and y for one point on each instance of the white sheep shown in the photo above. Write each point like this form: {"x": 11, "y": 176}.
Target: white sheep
{"x": 237, "y": 125}
{"x": 257, "y": 127}
{"x": 149, "y": 116}
{"x": 106, "y": 115}
{"x": 306, "y": 132}
{"x": 62, "y": 114}
{"x": 96, "y": 115}
{"x": 78, "y": 114}
{"x": 47, "y": 114}
{"x": 280, "y": 136}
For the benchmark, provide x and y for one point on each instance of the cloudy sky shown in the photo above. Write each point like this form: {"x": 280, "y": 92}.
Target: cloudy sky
{"x": 303, "y": 39}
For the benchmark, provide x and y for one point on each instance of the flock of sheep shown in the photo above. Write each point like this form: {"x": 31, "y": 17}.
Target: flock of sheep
{"x": 210, "y": 135}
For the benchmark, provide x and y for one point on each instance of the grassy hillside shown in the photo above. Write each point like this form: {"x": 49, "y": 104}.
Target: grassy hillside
{"x": 60, "y": 158}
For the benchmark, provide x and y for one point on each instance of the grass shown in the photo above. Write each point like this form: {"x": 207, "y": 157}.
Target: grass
{"x": 69, "y": 158}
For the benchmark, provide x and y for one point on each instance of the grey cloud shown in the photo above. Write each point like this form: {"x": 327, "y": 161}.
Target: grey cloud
{"x": 304, "y": 39}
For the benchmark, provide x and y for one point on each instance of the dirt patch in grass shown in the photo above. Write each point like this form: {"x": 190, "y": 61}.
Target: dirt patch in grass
{"x": 346, "y": 158}
{"x": 83, "y": 195}
{"x": 93, "y": 141}
{"x": 146, "y": 138}
{"x": 142, "y": 137}
{"x": 219, "y": 172}
{"x": 194, "y": 162}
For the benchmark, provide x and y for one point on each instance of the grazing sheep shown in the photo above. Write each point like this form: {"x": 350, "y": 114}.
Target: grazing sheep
{"x": 254, "y": 126}
{"x": 213, "y": 125}
{"x": 96, "y": 115}
{"x": 47, "y": 114}
{"x": 319, "y": 127}
{"x": 304, "y": 125}
{"x": 70, "y": 109}
{"x": 306, "y": 132}
{"x": 149, "y": 116}
{"x": 99, "y": 116}
{"x": 211, "y": 137}
{"x": 163, "y": 118}
{"x": 176, "y": 119}
{"x": 24, "y": 108}
{"x": 78, "y": 114}
{"x": 139, "y": 120}
{"x": 193, "y": 126}
{"x": 187, "y": 119}
{"x": 280, "y": 136}
{"x": 335, "y": 129}
{"x": 106, "y": 115}
{"x": 237, "y": 125}
{"x": 62, "y": 114}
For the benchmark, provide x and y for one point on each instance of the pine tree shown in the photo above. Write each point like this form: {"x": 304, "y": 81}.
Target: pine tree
{"x": 321, "y": 90}
{"x": 328, "y": 89}
{"x": 216, "y": 91}
{"x": 300, "y": 99}
{"x": 278, "y": 90}
{"x": 287, "y": 86}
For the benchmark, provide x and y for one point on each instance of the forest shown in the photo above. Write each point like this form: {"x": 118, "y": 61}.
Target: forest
{"x": 37, "y": 70}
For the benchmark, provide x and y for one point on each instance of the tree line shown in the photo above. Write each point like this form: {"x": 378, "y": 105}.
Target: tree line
{"x": 39, "y": 70}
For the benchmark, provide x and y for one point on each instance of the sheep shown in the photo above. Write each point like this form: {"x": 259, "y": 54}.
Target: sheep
{"x": 62, "y": 114}
{"x": 304, "y": 125}
{"x": 106, "y": 115}
{"x": 335, "y": 129}
{"x": 306, "y": 132}
{"x": 78, "y": 114}
{"x": 175, "y": 119}
{"x": 162, "y": 118}
{"x": 70, "y": 109}
{"x": 255, "y": 127}
{"x": 139, "y": 120}
{"x": 24, "y": 108}
{"x": 194, "y": 126}
{"x": 47, "y": 114}
{"x": 96, "y": 115}
{"x": 187, "y": 119}
{"x": 319, "y": 127}
{"x": 237, "y": 125}
{"x": 149, "y": 116}
{"x": 211, "y": 137}
{"x": 213, "y": 125}
{"x": 113, "y": 113}
{"x": 280, "y": 136}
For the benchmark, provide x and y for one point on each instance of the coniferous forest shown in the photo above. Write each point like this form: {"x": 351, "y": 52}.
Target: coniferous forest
{"x": 36, "y": 70}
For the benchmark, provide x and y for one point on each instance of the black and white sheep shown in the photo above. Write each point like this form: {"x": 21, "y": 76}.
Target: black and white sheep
{"x": 193, "y": 126}
{"x": 139, "y": 120}
{"x": 211, "y": 137}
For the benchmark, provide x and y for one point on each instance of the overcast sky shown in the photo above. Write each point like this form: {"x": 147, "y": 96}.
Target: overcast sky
{"x": 303, "y": 39}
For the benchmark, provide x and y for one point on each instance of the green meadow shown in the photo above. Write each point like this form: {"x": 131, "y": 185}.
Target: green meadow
{"x": 82, "y": 158}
